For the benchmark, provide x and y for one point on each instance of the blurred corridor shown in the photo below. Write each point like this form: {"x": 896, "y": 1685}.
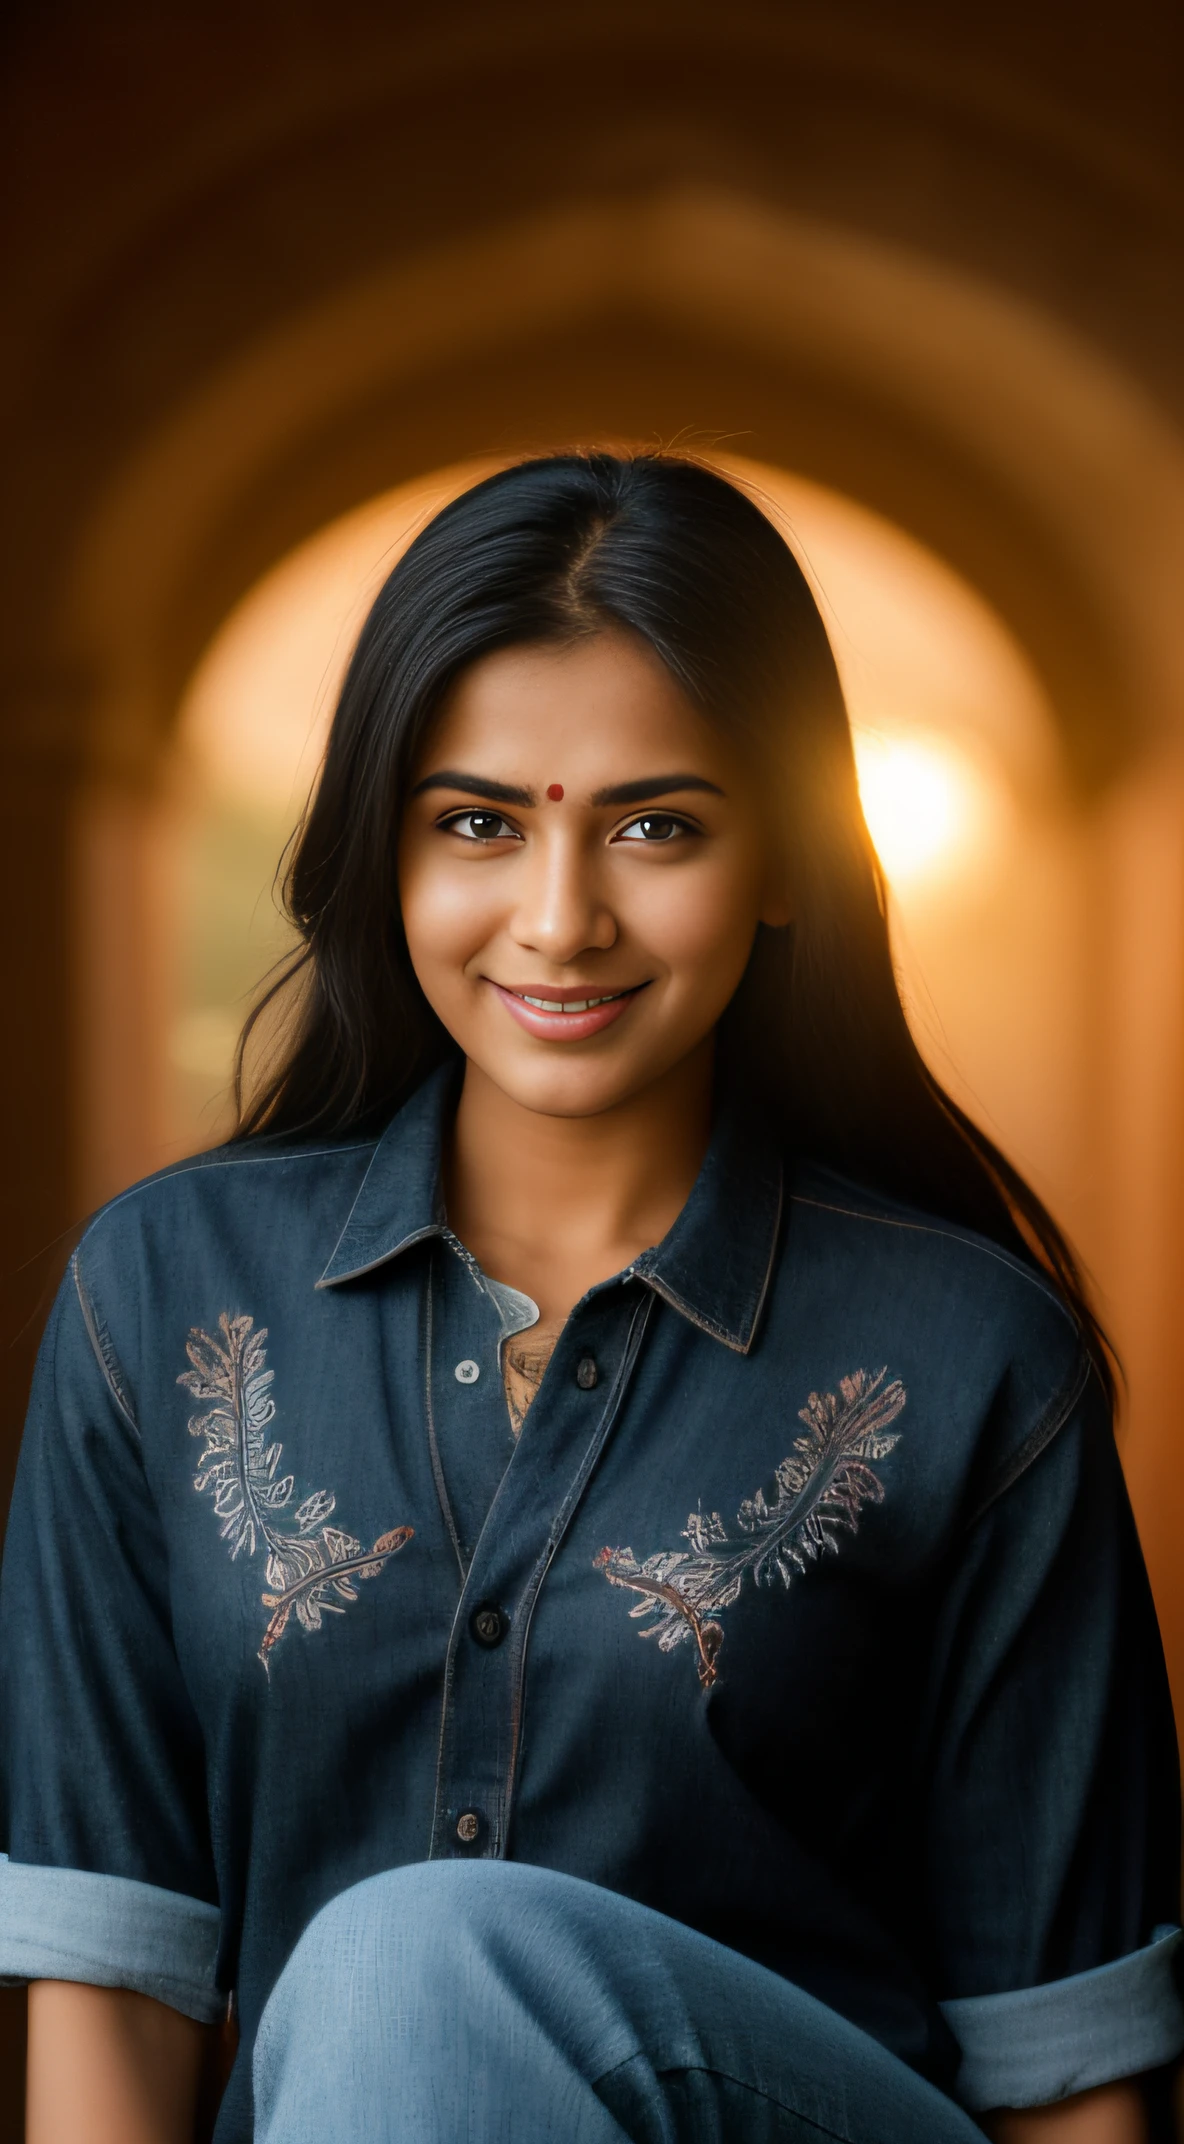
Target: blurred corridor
{"x": 278, "y": 279}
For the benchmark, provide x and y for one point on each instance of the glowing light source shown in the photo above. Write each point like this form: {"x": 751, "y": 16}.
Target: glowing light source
{"x": 927, "y": 804}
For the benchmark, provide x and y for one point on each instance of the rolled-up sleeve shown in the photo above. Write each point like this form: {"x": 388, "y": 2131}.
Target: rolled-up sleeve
{"x": 1052, "y": 1795}
{"x": 106, "y": 1875}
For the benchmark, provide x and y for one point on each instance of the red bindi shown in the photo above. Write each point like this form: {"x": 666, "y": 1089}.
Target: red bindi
{"x": 555, "y": 792}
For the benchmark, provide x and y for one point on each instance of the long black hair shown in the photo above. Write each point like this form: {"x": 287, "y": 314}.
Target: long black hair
{"x": 670, "y": 549}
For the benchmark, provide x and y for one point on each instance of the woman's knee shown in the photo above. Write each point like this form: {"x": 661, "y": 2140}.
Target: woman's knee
{"x": 425, "y": 1922}
{"x": 417, "y": 1980}
{"x": 373, "y": 1982}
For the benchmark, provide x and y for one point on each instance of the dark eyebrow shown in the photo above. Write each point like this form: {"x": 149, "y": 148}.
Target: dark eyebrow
{"x": 475, "y": 785}
{"x": 651, "y": 786}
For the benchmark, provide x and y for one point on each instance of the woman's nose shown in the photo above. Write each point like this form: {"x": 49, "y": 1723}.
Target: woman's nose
{"x": 562, "y": 911}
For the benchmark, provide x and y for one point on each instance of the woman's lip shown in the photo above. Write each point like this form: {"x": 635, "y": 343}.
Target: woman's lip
{"x": 565, "y": 1026}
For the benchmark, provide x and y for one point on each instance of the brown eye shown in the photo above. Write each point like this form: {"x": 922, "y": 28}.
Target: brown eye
{"x": 481, "y": 826}
{"x": 655, "y": 826}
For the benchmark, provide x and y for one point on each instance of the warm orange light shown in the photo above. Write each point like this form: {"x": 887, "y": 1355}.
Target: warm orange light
{"x": 925, "y": 803}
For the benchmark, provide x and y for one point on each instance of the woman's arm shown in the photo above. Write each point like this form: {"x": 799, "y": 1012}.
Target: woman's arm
{"x": 1111, "y": 2114}
{"x": 107, "y": 2066}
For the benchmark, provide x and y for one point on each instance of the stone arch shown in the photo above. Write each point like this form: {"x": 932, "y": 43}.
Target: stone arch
{"x": 964, "y": 414}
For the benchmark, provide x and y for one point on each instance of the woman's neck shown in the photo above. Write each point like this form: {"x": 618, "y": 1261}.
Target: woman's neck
{"x": 551, "y": 1205}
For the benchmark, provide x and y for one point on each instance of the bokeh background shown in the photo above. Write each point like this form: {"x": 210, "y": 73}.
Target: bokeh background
{"x": 279, "y": 278}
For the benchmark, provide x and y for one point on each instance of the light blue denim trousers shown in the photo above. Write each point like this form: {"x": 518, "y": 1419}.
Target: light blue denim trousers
{"x": 496, "y": 2003}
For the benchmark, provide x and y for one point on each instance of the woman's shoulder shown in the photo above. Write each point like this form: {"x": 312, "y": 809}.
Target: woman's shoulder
{"x": 864, "y": 1213}
{"x": 991, "y": 1353}
{"x": 249, "y": 1186}
{"x": 943, "y": 1271}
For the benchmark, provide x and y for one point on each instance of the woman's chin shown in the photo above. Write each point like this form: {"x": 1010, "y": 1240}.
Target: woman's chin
{"x": 567, "y": 1087}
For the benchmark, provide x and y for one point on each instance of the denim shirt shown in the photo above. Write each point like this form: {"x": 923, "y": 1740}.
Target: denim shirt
{"x": 807, "y": 1607}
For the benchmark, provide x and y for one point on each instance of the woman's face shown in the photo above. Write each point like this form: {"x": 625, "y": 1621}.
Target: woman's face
{"x": 582, "y": 869}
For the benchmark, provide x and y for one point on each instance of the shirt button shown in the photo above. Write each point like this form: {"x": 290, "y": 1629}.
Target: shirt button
{"x": 488, "y": 1624}
{"x": 587, "y": 1373}
{"x": 468, "y": 1826}
{"x": 467, "y": 1372}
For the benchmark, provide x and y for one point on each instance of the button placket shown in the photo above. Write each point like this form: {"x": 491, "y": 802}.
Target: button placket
{"x": 561, "y": 1440}
{"x": 467, "y": 1422}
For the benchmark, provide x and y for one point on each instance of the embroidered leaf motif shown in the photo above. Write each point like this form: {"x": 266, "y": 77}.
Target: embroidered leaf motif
{"x": 311, "y": 1596}
{"x": 820, "y": 1490}
{"x": 311, "y": 1567}
{"x": 231, "y": 1375}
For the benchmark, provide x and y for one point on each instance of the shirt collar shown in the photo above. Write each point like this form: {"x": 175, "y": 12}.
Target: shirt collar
{"x": 400, "y": 1200}
{"x": 713, "y": 1266}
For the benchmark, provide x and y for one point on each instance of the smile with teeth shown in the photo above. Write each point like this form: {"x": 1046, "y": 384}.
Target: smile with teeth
{"x": 566, "y": 1019}
{"x": 571, "y": 1004}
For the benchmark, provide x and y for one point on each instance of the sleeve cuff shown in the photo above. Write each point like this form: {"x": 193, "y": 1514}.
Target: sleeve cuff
{"x": 112, "y": 1932}
{"x": 1033, "y": 2046}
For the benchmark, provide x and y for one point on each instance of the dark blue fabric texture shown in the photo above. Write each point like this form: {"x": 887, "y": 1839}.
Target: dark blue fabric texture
{"x": 819, "y": 1619}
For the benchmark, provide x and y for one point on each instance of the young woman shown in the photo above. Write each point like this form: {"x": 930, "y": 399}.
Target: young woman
{"x": 577, "y": 1571}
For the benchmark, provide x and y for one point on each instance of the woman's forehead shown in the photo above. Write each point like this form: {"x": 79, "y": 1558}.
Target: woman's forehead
{"x": 580, "y": 713}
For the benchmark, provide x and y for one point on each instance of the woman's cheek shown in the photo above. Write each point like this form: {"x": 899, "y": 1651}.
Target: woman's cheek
{"x": 701, "y": 922}
{"x": 447, "y": 916}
